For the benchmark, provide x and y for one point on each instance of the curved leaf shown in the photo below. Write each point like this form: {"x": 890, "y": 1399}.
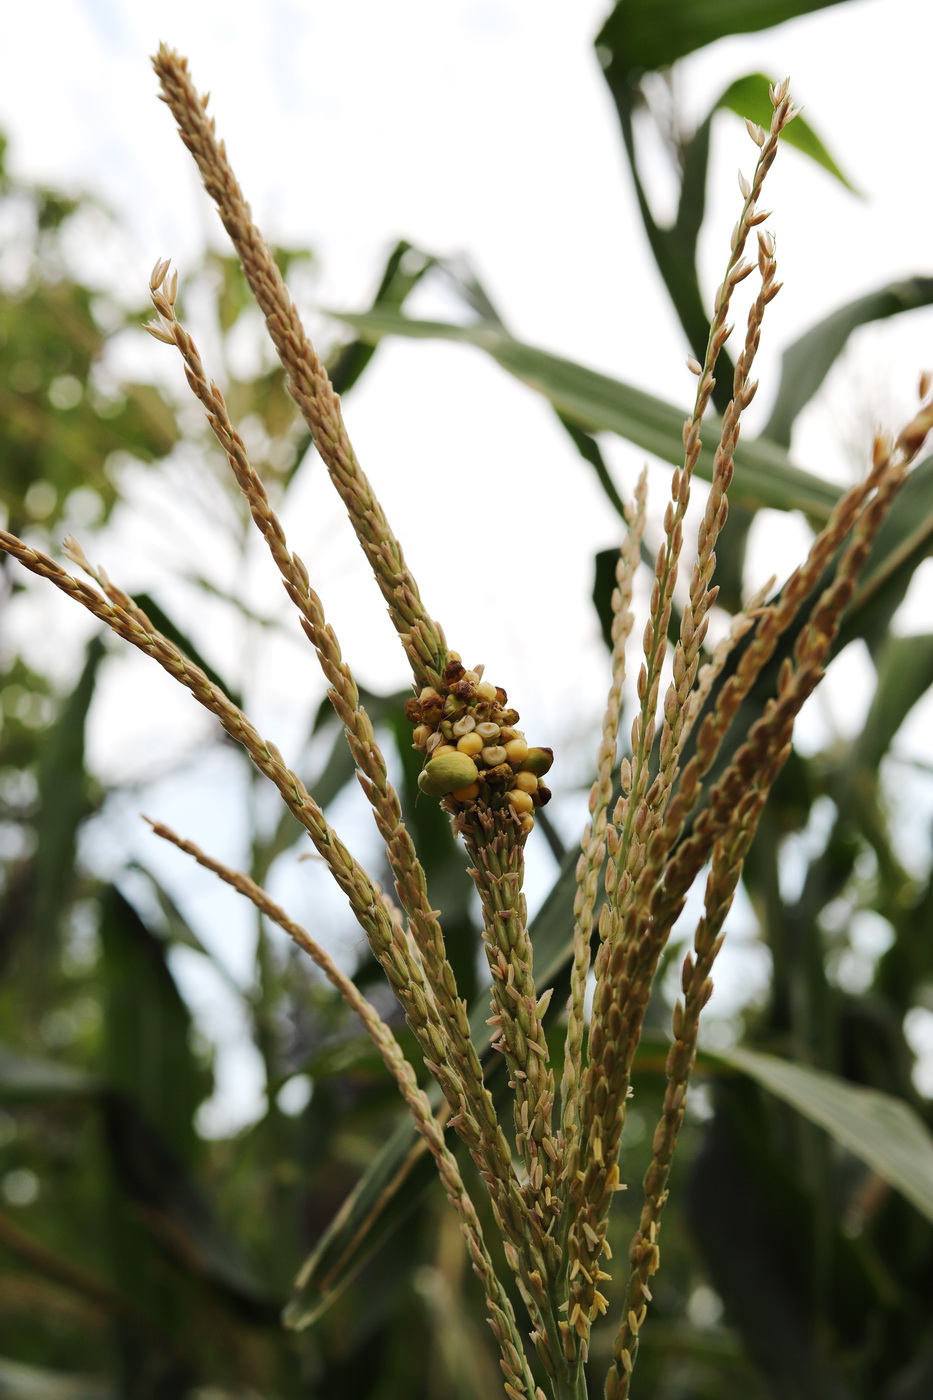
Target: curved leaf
{"x": 883, "y": 1132}
{"x": 905, "y": 674}
{"x": 764, "y": 474}
{"x": 806, "y": 363}
{"x": 748, "y": 97}
{"x": 904, "y": 540}
{"x": 63, "y": 802}
{"x": 650, "y": 34}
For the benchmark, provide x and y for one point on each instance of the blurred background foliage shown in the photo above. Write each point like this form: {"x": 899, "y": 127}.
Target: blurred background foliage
{"x": 142, "y": 1258}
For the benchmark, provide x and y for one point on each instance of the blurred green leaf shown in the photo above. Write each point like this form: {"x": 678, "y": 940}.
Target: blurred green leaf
{"x": 806, "y": 363}
{"x": 26, "y": 1079}
{"x": 175, "y": 1211}
{"x": 771, "y": 1255}
{"x": 63, "y": 803}
{"x": 170, "y": 629}
{"x": 764, "y": 475}
{"x": 650, "y": 34}
{"x": 147, "y": 1024}
{"x": 368, "y": 1216}
{"x": 405, "y": 268}
{"x": 883, "y": 1132}
{"x": 21, "y": 1382}
{"x": 905, "y": 674}
{"x": 904, "y": 540}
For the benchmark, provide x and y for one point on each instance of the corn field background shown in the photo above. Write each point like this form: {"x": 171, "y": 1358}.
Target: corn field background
{"x": 149, "y": 1243}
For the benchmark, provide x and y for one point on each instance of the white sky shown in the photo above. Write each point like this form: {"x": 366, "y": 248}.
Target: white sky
{"x": 484, "y": 127}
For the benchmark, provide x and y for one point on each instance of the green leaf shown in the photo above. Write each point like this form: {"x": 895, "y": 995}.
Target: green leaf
{"x": 147, "y": 1027}
{"x": 176, "y": 1215}
{"x": 175, "y": 634}
{"x": 904, "y": 540}
{"x": 63, "y": 802}
{"x": 905, "y": 674}
{"x": 749, "y": 97}
{"x": 21, "y": 1382}
{"x": 26, "y": 1079}
{"x": 883, "y": 1132}
{"x": 381, "y": 1200}
{"x": 806, "y": 363}
{"x": 650, "y": 34}
{"x": 404, "y": 269}
{"x": 754, "y": 1221}
{"x": 180, "y": 931}
{"x": 764, "y": 474}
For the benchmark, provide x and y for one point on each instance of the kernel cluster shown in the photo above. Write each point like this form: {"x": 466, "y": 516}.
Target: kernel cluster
{"x": 474, "y": 753}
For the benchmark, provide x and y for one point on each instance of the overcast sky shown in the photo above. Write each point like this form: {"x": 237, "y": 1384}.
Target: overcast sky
{"x": 483, "y": 127}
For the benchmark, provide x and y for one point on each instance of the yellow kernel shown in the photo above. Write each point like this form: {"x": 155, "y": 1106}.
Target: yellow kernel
{"x": 421, "y": 736}
{"x": 525, "y": 782}
{"x": 470, "y": 676}
{"x": 470, "y": 744}
{"x": 487, "y": 730}
{"x": 519, "y": 801}
{"x": 493, "y": 754}
{"x": 442, "y": 749}
{"x": 429, "y": 693}
{"x": 486, "y": 690}
{"x": 516, "y": 749}
{"x": 528, "y": 823}
{"x": 466, "y": 794}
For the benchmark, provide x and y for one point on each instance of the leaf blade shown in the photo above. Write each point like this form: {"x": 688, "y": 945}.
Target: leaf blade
{"x": 764, "y": 474}
{"x": 883, "y": 1132}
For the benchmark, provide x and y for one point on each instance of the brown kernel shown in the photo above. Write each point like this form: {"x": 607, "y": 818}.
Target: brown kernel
{"x": 542, "y": 795}
{"x": 502, "y": 773}
{"x": 463, "y": 689}
{"x": 413, "y": 710}
{"x": 454, "y": 670}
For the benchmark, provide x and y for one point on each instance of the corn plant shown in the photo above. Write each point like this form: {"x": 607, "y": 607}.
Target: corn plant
{"x": 663, "y": 814}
